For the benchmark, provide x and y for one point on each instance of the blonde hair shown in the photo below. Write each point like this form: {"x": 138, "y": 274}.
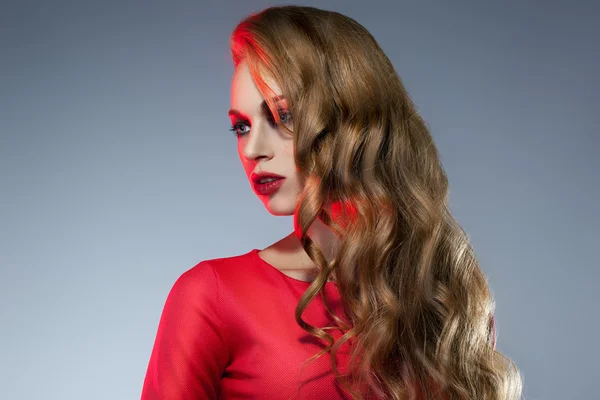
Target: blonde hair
{"x": 420, "y": 308}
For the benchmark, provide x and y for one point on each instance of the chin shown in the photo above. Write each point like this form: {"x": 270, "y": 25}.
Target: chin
{"x": 279, "y": 212}
{"x": 278, "y": 207}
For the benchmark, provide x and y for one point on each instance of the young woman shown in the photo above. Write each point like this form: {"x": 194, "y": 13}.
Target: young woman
{"x": 377, "y": 273}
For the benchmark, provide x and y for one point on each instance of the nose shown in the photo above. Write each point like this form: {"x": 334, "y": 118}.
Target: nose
{"x": 257, "y": 144}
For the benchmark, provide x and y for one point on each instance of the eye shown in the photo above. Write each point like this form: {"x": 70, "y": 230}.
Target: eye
{"x": 285, "y": 116}
{"x": 236, "y": 128}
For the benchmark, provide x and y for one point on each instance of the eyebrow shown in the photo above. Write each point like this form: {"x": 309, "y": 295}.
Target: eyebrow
{"x": 263, "y": 106}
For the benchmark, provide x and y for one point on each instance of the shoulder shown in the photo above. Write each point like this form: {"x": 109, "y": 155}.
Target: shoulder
{"x": 205, "y": 288}
{"x": 215, "y": 271}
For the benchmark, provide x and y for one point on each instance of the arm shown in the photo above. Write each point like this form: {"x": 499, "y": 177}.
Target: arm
{"x": 190, "y": 352}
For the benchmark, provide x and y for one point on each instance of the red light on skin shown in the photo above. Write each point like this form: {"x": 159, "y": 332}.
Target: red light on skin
{"x": 338, "y": 209}
{"x": 337, "y": 214}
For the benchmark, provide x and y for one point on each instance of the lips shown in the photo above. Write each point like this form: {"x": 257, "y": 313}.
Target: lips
{"x": 268, "y": 179}
{"x": 256, "y": 178}
{"x": 268, "y": 187}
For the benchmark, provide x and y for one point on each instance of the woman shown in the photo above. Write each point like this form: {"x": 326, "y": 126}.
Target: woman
{"x": 377, "y": 273}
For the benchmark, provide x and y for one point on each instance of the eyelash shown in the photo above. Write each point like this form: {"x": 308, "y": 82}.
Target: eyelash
{"x": 234, "y": 130}
{"x": 271, "y": 121}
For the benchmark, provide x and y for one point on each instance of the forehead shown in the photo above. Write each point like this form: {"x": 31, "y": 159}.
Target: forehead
{"x": 244, "y": 92}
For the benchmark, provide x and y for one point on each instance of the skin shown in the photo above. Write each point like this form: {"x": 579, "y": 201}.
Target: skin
{"x": 264, "y": 147}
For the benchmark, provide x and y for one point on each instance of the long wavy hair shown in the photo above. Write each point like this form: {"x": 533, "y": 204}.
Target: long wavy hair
{"x": 419, "y": 306}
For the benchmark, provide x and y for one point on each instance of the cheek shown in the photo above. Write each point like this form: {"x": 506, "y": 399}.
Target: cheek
{"x": 246, "y": 165}
{"x": 288, "y": 148}
{"x": 240, "y": 151}
{"x": 288, "y": 153}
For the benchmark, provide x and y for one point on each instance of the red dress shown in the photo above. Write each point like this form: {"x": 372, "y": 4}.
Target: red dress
{"x": 227, "y": 331}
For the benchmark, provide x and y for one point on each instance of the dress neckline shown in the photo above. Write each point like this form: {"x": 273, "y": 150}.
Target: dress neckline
{"x": 285, "y": 276}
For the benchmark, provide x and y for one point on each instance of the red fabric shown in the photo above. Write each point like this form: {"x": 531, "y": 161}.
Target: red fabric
{"x": 228, "y": 332}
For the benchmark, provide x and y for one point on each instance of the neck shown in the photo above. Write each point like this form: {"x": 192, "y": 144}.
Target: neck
{"x": 322, "y": 235}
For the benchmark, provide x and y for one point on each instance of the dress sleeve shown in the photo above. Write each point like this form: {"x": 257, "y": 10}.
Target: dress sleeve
{"x": 190, "y": 352}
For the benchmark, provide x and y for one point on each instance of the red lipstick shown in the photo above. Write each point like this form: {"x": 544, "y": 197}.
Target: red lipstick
{"x": 266, "y": 182}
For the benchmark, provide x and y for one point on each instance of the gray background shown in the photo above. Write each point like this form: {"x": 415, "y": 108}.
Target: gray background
{"x": 118, "y": 173}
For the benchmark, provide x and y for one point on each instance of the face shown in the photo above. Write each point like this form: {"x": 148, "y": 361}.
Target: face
{"x": 262, "y": 146}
